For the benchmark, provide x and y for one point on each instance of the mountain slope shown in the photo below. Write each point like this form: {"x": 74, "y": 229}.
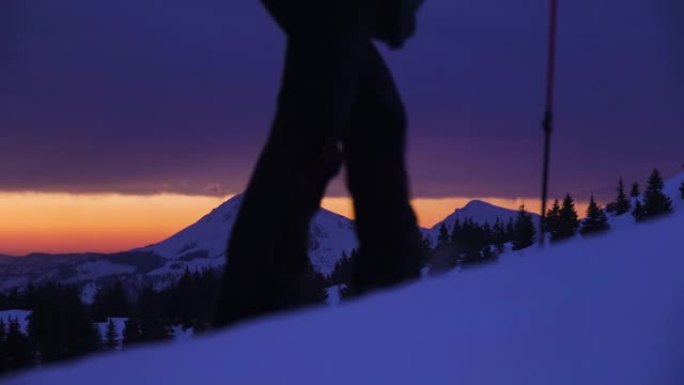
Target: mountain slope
{"x": 602, "y": 310}
{"x": 479, "y": 212}
{"x": 203, "y": 244}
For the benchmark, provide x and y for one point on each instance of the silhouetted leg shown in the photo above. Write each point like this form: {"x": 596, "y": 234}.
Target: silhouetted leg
{"x": 268, "y": 248}
{"x": 374, "y": 150}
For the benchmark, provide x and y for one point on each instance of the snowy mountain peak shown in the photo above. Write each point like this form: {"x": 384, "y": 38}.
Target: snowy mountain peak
{"x": 477, "y": 204}
{"x": 478, "y": 211}
{"x": 203, "y": 244}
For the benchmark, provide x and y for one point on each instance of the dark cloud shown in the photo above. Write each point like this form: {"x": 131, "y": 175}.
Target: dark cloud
{"x": 147, "y": 96}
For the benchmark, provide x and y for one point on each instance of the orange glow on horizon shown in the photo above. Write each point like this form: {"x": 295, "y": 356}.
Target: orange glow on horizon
{"x": 433, "y": 210}
{"x": 62, "y": 223}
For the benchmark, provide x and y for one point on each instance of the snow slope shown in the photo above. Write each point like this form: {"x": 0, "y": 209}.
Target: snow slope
{"x": 603, "y": 310}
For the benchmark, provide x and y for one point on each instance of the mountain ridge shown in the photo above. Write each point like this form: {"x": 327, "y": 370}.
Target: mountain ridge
{"x": 202, "y": 244}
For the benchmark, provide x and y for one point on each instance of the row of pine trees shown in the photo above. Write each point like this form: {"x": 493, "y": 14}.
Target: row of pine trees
{"x": 468, "y": 242}
{"x": 62, "y": 327}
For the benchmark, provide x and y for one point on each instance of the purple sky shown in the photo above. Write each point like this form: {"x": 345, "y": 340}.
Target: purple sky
{"x": 143, "y": 96}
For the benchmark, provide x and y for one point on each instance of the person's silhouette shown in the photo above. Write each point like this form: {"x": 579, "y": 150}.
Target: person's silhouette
{"x": 338, "y": 104}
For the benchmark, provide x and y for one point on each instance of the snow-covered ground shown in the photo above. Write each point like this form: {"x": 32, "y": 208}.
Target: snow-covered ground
{"x": 604, "y": 310}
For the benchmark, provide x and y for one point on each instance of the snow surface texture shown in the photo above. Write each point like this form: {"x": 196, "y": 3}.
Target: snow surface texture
{"x": 603, "y": 310}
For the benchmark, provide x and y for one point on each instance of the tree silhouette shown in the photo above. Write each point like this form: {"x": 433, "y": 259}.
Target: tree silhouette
{"x": 312, "y": 287}
{"x": 634, "y": 193}
{"x": 111, "y": 341}
{"x": 132, "y": 334}
{"x": 19, "y": 351}
{"x": 110, "y": 301}
{"x": 455, "y": 230}
{"x": 524, "y": 230}
{"x": 622, "y": 203}
{"x": 3, "y": 348}
{"x": 343, "y": 270}
{"x": 596, "y": 220}
{"x": 60, "y": 326}
{"x": 638, "y": 211}
{"x": 499, "y": 236}
{"x": 510, "y": 230}
{"x": 568, "y": 221}
{"x": 552, "y": 220}
{"x": 443, "y": 236}
{"x": 655, "y": 202}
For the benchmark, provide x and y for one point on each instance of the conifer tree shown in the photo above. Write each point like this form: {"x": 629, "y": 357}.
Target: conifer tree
{"x": 154, "y": 329}
{"x": 110, "y": 301}
{"x": 472, "y": 242}
{"x": 552, "y": 220}
{"x": 524, "y": 230}
{"x": 443, "y": 236}
{"x": 349, "y": 288}
{"x": 132, "y": 334}
{"x": 312, "y": 287}
{"x": 111, "y": 341}
{"x": 343, "y": 270}
{"x": 634, "y": 193}
{"x": 499, "y": 237}
{"x": 455, "y": 230}
{"x": 510, "y": 230}
{"x": 596, "y": 220}
{"x": 568, "y": 221}
{"x": 425, "y": 249}
{"x": 60, "y": 325}
{"x": 487, "y": 234}
{"x": 19, "y": 351}
{"x": 3, "y": 348}
{"x": 638, "y": 211}
{"x": 622, "y": 203}
{"x": 655, "y": 202}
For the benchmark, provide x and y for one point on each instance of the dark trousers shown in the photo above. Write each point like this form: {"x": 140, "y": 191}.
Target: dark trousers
{"x": 338, "y": 105}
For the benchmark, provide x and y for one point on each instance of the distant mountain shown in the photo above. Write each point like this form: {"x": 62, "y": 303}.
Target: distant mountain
{"x": 198, "y": 246}
{"x": 6, "y": 259}
{"x": 76, "y": 268}
{"x": 479, "y": 212}
{"x": 201, "y": 245}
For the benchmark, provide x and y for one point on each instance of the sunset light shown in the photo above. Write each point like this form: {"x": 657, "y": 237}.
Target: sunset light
{"x": 64, "y": 223}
